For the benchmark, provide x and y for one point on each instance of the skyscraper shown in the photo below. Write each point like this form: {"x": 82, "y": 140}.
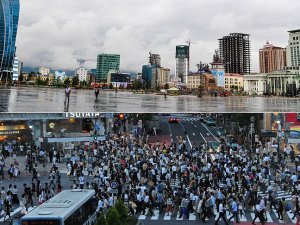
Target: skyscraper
{"x": 271, "y": 58}
{"x": 9, "y": 18}
{"x": 292, "y": 50}
{"x": 182, "y": 62}
{"x": 235, "y": 53}
{"x": 106, "y": 62}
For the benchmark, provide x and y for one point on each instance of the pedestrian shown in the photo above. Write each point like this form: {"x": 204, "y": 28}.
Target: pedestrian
{"x": 222, "y": 213}
{"x": 67, "y": 94}
{"x": 234, "y": 208}
{"x": 258, "y": 214}
{"x": 97, "y": 93}
{"x": 81, "y": 181}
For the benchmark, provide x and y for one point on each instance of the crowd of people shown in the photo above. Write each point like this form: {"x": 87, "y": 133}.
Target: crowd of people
{"x": 171, "y": 179}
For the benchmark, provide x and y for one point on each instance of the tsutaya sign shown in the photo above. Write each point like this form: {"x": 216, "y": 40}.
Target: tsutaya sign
{"x": 83, "y": 115}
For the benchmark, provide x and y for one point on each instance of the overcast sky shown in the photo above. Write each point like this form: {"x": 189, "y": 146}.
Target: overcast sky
{"x": 58, "y": 32}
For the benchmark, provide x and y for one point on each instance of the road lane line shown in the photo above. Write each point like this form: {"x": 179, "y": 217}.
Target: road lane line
{"x": 187, "y": 137}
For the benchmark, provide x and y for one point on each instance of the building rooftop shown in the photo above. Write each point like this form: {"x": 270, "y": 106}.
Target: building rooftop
{"x": 233, "y": 75}
{"x": 294, "y": 31}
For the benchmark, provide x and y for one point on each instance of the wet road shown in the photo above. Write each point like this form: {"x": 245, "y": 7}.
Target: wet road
{"x": 33, "y": 99}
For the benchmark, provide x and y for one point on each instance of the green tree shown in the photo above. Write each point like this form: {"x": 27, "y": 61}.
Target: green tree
{"x": 121, "y": 208}
{"x": 75, "y": 81}
{"x": 137, "y": 85}
{"x": 47, "y": 81}
{"x": 101, "y": 220}
{"x": 113, "y": 217}
{"x": 38, "y": 80}
{"x": 67, "y": 81}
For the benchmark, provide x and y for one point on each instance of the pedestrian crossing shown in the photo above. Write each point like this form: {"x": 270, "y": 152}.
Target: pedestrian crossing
{"x": 190, "y": 119}
{"x": 280, "y": 193}
{"x": 248, "y": 216}
{"x": 14, "y": 212}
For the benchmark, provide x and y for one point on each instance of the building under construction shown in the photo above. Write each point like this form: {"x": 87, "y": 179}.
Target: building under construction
{"x": 235, "y": 53}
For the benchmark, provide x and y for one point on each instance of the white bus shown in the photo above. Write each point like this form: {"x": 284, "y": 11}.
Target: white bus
{"x": 69, "y": 207}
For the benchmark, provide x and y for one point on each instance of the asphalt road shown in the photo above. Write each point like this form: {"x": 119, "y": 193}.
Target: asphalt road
{"x": 22, "y": 99}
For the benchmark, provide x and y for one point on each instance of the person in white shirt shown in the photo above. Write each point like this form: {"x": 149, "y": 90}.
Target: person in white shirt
{"x": 222, "y": 214}
{"x": 67, "y": 94}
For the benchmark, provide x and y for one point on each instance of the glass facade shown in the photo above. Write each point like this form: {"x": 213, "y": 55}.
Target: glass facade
{"x": 9, "y": 18}
{"x": 106, "y": 62}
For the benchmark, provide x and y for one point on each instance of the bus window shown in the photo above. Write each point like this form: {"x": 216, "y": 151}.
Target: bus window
{"x": 41, "y": 222}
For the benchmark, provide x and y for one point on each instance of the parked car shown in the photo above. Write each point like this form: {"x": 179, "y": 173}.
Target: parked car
{"x": 173, "y": 119}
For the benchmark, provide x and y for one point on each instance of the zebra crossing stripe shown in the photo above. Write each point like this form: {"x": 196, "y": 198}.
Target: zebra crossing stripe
{"x": 143, "y": 217}
{"x": 155, "y": 215}
{"x": 243, "y": 218}
{"x": 269, "y": 218}
{"x": 280, "y": 221}
{"x": 192, "y": 216}
{"x": 167, "y": 217}
{"x": 291, "y": 215}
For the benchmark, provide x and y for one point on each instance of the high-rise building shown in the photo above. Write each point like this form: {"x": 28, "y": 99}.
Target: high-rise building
{"x": 271, "y": 58}
{"x": 82, "y": 74}
{"x": 16, "y": 69}
{"x": 149, "y": 74}
{"x": 106, "y": 62}
{"x": 154, "y": 59}
{"x": 9, "y": 18}
{"x": 44, "y": 71}
{"x": 235, "y": 53}
{"x": 292, "y": 50}
{"x": 182, "y": 62}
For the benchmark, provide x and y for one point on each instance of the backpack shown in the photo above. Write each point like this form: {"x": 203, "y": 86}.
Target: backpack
{"x": 288, "y": 207}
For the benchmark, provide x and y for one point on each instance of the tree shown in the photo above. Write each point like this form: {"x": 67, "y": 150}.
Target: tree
{"x": 67, "y": 81}
{"x": 113, "y": 217}
{"x": 137, "y": 85}
{"x": 46, "y": 81}
{"x": 75, "y": 81}
{"x": 38, "y": 80}
{"x": 101, "y": 220}
{"x": 120, "y": 207}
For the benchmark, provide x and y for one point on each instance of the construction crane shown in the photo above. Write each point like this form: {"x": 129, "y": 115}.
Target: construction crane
{"x": 189, "y": 42}
{"x": 82, "y": 61}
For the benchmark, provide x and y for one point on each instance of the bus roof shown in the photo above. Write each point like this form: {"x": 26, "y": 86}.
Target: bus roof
{"x": 61, "y": 205}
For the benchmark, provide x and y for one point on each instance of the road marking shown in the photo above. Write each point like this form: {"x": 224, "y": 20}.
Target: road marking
{"x": 203, "y": 138}
{"x": 155, "y": 215}
{"x": 192, "y": 216}
{"x": 269, "y": 219}
{"x": 171, "y": 134}
{"x": 187, "y": 137}
{"x": 194, "y": 134}
{"x": 195, "y": 126}
{"x": 166, "y": 217}
{"x": 290, "y": 215}
{"x": 217, "y": 139}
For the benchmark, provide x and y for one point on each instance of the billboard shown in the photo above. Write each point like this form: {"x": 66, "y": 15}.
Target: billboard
{"x": 182, "y": 51}
{"x": 219, "y": 75}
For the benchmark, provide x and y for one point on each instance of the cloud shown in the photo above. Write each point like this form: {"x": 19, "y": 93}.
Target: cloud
{"x": 56, "y": 33}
